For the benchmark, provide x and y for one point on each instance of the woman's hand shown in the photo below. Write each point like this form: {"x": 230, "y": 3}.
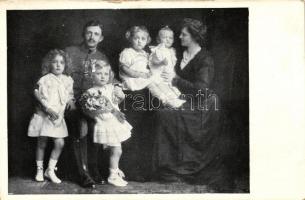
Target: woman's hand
{"x": 168, "y": 77}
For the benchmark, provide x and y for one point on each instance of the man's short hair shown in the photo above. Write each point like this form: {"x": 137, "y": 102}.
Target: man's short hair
{"x": 92, "y": 23}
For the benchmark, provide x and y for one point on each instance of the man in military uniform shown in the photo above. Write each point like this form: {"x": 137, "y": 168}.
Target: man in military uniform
{"x": 79, "y": 125}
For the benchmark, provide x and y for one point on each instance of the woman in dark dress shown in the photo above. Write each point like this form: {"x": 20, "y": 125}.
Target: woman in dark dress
{"x": 189, "y": 143}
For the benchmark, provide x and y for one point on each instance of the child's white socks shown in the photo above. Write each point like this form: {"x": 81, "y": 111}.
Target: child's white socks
{"x": 50, "y": 172}
{"x": 52, "y": 163}
{"x": 39, "y": 173}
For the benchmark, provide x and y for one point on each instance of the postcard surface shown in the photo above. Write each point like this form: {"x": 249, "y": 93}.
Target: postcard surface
{"x": 168, "y": 99}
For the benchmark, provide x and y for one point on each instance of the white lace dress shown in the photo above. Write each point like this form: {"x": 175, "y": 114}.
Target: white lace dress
{"x": 54, "y": 92}
{"x": 108, "y": 130}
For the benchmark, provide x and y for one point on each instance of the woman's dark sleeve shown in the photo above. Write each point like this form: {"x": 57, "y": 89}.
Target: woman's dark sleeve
{"x": 203, "y": 75}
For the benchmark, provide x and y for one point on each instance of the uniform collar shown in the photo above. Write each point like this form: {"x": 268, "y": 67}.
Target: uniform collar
{"x": 85, "y": 49}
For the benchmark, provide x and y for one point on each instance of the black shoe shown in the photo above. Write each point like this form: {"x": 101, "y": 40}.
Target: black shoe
{"x": 87, "y": 182}
{"x": 88, "y": 185}
{"x": 97, "y": 176}
{"x": 99, "y": 180}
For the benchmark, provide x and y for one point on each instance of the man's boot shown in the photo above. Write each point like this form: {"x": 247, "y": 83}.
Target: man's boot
{"x": 80, "y": 151}
{"x": 93, "y": 163}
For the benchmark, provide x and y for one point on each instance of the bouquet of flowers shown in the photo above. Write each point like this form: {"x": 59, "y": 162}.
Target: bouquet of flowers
{"x": 94, "y": 103}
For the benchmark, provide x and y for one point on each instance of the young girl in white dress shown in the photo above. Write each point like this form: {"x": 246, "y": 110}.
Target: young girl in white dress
{"x": 110, "y": 129}
{"x": 54, "y": 93}
{"x": 134, "y": 60}
{"x": 163, "y": 58}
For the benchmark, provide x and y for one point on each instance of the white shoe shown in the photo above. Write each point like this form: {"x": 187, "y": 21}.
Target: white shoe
{"x": 121, "y": 174}
{"x": 39, "y": 174}
{"x": 116, "y": 179}
{"x": 50, "y": 174}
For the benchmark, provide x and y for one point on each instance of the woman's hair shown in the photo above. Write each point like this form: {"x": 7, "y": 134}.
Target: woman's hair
{"x": 196, "y": 28}
{"x": 47, "y": 60}
{"x": 165, "y": 28}
{"x": 100, "y": 64}
{"x": 133, "y": 30}
{"x": 93, "y": 23}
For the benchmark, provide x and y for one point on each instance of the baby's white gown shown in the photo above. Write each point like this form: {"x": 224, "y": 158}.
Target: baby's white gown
{"x": 159, "y": 88}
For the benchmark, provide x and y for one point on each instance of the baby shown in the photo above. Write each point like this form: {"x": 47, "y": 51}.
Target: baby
{"x": 163, "y": 58}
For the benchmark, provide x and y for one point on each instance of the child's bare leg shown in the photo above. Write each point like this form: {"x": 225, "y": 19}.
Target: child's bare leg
{"x": 115, "y": 176}
{"x": 41, "y": 146}
{"x": 115, "y": 155}
{"x": 57, "y": 149}
{"x": 59, "y": 144}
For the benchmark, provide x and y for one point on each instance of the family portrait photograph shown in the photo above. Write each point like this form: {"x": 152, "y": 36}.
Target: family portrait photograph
{"x": 128, "y": 98}
{"x": 131, "y": 100}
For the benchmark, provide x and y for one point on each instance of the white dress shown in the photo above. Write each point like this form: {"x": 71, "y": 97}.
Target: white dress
{"x": 137, "y": 61}
{"x": 158, "y": 54}
{"x": 166, "y": 92}
{"x": 108, "y": 130}
{"x": 54, "y": 92}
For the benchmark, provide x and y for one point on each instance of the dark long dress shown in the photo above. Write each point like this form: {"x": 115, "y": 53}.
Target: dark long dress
{"x": 136, "y": 157}
{"x": 189, "y": 142}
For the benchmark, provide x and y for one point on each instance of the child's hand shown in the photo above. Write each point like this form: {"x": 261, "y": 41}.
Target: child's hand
{"x": 58, "y": 121}
{"x": 71, "y": 105}
{"x": 146, "y": 75}
{"x": 119, "y": 115}
{"x": 118, "y": 92}
{"x": 158, "y": 55}
{"x": 157, "y": 59}
{"x": 52, "y": 114}
{"x": 149, "y": 74}
{"x": 167, "y": 77}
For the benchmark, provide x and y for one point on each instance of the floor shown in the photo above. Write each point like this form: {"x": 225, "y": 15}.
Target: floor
{"x": 19, "y": 185}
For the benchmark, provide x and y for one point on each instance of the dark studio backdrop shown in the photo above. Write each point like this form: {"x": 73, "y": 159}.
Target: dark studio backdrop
{"x": 31, "y": 34}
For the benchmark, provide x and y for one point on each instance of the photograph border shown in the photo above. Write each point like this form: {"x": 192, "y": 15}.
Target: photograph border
{"x": 270, "y": 72}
